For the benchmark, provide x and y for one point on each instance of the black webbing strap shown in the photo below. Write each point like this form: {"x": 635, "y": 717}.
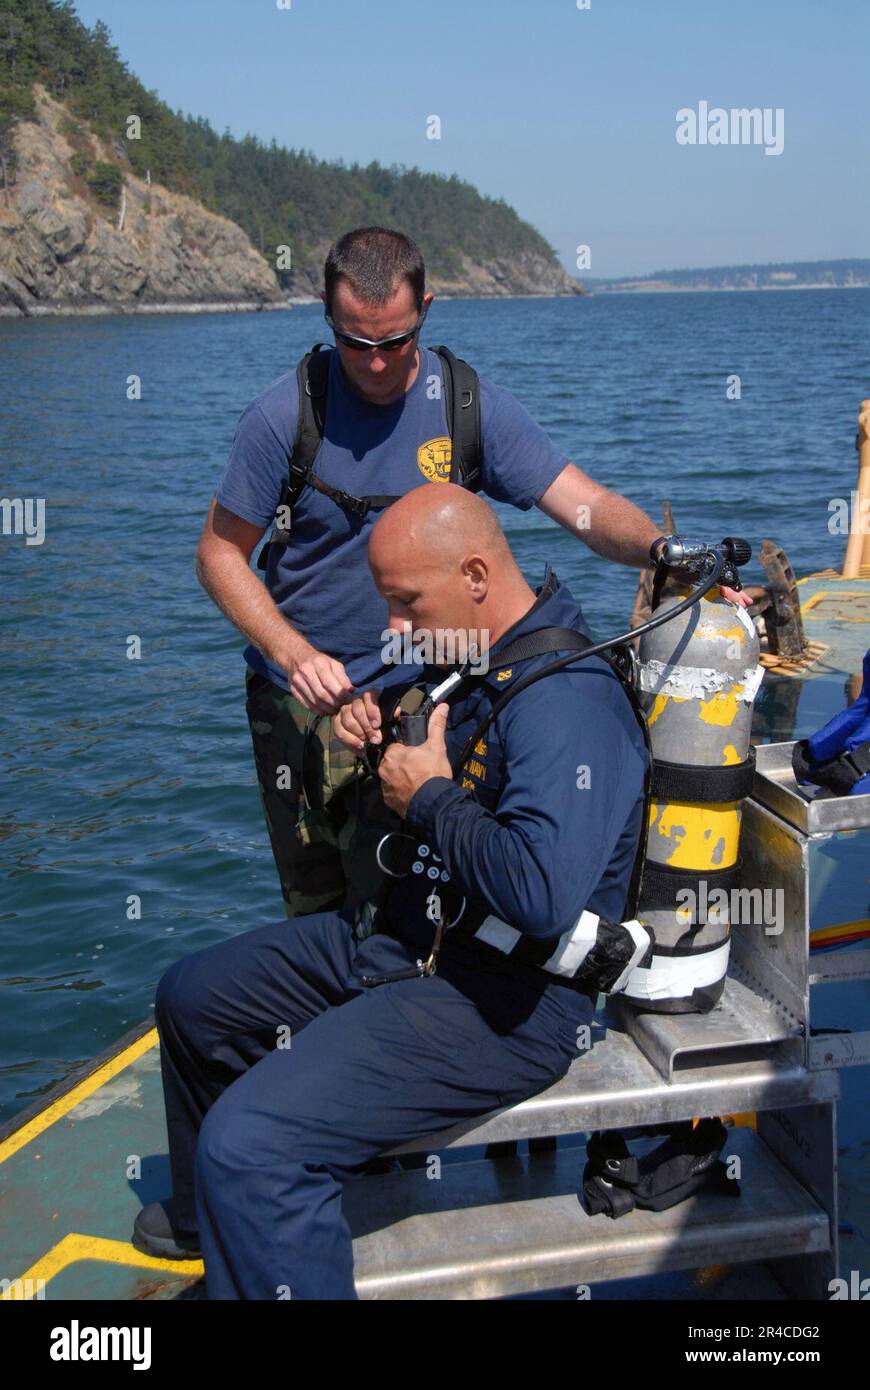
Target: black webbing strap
{"x": 561, "y": 639}
{"x": 462, "y": 407}
{"x": 600, "y": 968}
{"x": 662, "y": 882}
{"x": 361, "y": 505}
{"x": 839, "y": 774}
{"x": 681, "y": 782}
{"x": 540, "y": 643}
{"x": 312, "y": 377}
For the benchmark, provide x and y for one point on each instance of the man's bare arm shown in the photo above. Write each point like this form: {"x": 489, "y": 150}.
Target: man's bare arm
{"x": 222, "y": 567}
{"x": 609, "y": 524}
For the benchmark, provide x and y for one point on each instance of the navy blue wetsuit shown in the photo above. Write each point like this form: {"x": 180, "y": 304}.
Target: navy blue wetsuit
{"x": 283, "y": 1075}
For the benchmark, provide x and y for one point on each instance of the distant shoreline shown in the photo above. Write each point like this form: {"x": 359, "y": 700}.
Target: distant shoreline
{"x": 43, "y": 311}
{"x": 244, "y": 306}
{"x": 720, "y": 289}
{"x": 70, "y": 311}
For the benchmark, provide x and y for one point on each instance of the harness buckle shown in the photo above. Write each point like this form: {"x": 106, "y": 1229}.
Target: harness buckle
{"x": 353, "y": 504}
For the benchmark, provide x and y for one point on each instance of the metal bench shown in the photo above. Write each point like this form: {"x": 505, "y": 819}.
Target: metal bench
{"x": 470, "y": 1227}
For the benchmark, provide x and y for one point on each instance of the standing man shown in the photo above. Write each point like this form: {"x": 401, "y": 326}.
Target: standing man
{"x": 318, "y": 612}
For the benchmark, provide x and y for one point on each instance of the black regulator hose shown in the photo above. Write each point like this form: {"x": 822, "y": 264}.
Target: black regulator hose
{"x": 525, "y": 681}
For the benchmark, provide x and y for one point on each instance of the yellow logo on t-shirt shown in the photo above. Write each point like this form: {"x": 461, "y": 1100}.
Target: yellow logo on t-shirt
{"x": 433, "y": 459}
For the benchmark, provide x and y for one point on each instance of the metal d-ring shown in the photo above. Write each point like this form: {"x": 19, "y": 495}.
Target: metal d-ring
{"x": 381, "y": 865}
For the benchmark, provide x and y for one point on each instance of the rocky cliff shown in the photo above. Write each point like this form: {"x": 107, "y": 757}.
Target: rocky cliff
{"x": 61, "y": 250}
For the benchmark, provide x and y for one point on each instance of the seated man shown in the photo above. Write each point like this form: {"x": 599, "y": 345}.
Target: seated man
{"x": 296, "y": 1053}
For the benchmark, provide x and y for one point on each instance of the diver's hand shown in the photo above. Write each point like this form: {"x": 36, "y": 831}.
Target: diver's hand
{"x": 359, "y": 722}
{"x": 318, "y": 681}
{"x": 403, "y": 770}
{"x": 738, "y": 596}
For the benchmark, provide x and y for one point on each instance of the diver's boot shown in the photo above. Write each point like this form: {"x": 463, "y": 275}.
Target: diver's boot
{"x": 154, "y": 1234}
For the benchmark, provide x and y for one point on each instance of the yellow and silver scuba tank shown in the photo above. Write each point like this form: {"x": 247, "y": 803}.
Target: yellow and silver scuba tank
{"x": 696, "y": 679}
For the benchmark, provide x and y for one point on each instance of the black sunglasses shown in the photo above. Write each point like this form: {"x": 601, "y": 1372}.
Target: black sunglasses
{"x": 385, "y": 344}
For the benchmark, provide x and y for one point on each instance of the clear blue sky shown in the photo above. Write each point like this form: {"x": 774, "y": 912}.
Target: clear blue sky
{"x": 567, "y": 114}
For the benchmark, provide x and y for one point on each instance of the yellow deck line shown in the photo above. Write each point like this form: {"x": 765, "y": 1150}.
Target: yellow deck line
{"x": 56, "y": 1111}
{"x": 830, "y": 593}
{"x": 75, "y": 1247}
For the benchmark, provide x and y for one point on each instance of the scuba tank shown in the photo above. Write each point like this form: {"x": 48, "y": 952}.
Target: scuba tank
{"x": 697, "y": 677}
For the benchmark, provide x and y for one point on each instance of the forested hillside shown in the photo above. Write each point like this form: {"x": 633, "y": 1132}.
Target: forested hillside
{"x": 278, "y": 196}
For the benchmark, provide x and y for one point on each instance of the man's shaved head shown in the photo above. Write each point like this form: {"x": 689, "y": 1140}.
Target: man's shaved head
{"x": 440, "y": 524}
{"x": 441, "y": 560}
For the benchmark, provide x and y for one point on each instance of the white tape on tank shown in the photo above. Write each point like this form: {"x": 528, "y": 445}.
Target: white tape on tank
{"x": 750, "y": 690}
{"x": 675, "y": 977}
{"x": 697, "y": 682}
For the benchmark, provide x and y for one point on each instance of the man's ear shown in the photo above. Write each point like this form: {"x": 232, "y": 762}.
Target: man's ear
{"x": 476, "y": 572}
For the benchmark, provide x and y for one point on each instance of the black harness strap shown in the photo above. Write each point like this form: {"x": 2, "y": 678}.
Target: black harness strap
{"x": 560, "y": 639}
{"x": 312, "y": 375}
{"x": 462, "y": 405}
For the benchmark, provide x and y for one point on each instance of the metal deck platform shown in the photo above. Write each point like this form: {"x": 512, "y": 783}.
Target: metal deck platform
{"x": 494, "y": 1227}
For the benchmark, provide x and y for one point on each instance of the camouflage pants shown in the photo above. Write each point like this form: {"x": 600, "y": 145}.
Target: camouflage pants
{"x": 324, "y": 819}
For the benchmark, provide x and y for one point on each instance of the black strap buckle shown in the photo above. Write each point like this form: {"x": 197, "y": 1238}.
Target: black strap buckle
{"x": 360, "y": 505}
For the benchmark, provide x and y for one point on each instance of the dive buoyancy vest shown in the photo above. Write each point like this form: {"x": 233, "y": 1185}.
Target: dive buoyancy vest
{"x": 838, "y": 756}
{"x": 462, "y": 404}
{"x": 615, "y": 1181}
{"x": 594, "y": 954}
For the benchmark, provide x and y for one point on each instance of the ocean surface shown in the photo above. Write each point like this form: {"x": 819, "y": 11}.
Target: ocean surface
{"x": 124, "y": 778}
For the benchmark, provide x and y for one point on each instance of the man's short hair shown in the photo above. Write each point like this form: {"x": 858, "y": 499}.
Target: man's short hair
{"x": 374, "y": 261}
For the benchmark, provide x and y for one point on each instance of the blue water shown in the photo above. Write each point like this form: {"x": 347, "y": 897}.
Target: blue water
{"x": 135, "y": 777}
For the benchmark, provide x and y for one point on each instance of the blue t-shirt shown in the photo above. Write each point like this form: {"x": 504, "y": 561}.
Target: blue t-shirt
{"x": 321, "y": 580}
